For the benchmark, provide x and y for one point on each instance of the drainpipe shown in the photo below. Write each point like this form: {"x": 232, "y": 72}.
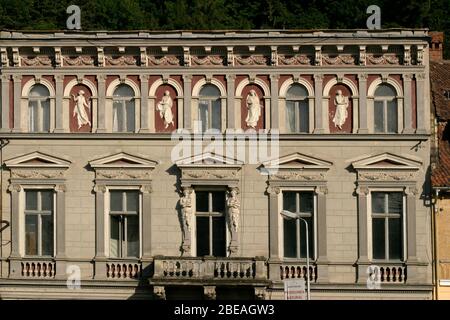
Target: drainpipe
{"x": 435, "y": 243}
{"x": 3, "y": 143}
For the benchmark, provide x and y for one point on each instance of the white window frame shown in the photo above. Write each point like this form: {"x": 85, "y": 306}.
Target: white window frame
{"x": 280, "y": 222}
{"x": 194, "y": 224}
{"x": 369, "y": 223}
{"x": 22, "y": 203}
{"x": 107, "y": 224}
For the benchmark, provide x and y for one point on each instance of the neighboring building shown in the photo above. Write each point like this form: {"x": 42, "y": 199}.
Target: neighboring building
{"x": 95, "y": 190}
{"x": 440, "y": 157}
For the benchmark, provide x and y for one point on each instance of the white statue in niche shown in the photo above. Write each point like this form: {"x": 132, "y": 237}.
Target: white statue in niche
{"x": 233, "y": 205}
{"x": 79, "y": 111}
{"x": 253, "y": 109}
{"x": 341, "y": 114}
{"x": 165, "y": 109}
{"x": 186, "y": 208}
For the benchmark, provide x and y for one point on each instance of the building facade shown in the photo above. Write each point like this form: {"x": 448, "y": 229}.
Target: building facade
{"x": 157, "y": 164}
{"x": 440, "y": 158}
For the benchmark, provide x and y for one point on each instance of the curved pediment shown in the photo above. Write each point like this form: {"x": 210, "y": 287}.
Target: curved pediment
{"x": 123, "y": 160}
{"x": 37, "y": 160}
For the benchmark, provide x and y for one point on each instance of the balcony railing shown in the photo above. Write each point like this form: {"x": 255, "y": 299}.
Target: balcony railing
{"x": 299, "y": 271}
{"x": 123, "y": 270}
{"x": 38, "y": 269}
{"x": 191, "y": 268}
{"x": 391, "y": 273}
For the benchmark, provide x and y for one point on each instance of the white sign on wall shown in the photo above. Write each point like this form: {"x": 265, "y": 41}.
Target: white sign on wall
{"x": 294, "y": 289}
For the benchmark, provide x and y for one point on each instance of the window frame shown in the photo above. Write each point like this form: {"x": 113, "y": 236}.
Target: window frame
{"x": 123, "y": 101}
{"x": 38, "y": 117}
{"x": 210, "y": 100}
{"x": 297, "y": 101}
{"x": 385, "y": 100}
{"x": 24, "y": 214}
{"x": 403, "y": 225}
{"x": 210, "y": 214}
{"x": 107, "y": 224}
{"x": 281, "y": 219}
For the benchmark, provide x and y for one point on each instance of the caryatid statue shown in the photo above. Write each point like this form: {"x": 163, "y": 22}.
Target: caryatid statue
{"x": 233, "y": 205}
{"x": 341, "y": 114}
{"x": 79, "y": 111}
{"x": 253, "y": 109}
{"x": 186, "y": 209}
{"x": 165, "y": 109}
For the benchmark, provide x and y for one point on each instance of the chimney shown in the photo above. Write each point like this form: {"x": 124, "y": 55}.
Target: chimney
{"x": 436, "y": 50}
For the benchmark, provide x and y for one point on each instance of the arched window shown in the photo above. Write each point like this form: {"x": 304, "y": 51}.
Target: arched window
{"x": 385, "y": 109}
{"x": 297, "y": 109}
{"x": 209, "y": 106}
{"x": 39, "y": 109}
{"x": 123, "y": 109}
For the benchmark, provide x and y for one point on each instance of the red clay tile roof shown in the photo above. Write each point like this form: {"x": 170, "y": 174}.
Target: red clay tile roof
{"x": 440, "y": 82}
{"x": 440, "y": 176}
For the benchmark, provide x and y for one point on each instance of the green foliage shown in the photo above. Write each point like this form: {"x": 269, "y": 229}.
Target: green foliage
{"x": 225, "y": 14}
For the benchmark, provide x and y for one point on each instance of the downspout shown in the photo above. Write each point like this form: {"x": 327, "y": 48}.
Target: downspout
{"x": 435, "y": 243}
{"x": 3, "y": 143}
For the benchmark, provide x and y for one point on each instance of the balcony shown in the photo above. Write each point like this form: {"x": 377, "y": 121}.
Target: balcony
{"x": 209, "y": 270}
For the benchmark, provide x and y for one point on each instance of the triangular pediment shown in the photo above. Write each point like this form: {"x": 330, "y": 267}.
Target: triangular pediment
{"x": 208, "y": 159}
{"x": 37, "y": 160}
{"x": 123, "y": 160}
{"x": 297, "y": 161}
{"x": 387, "y": 161}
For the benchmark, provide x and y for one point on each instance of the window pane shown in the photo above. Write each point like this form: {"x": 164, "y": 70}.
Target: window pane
{"x": 116, "y": 202}
{"x": 31, "y": 235}
{"x": 123, "y": 90}
{"x": 216, "y": 116}
{"x": 133, "y": 236}
{"x": 47, "y": 200}
{"x": 132, "y": 201}
{"x": 296, "y": 90}
{"x": 32, "y": 116}
{"x": 385, "y": 90}
{"x": 290, "y": 238}
{"x": 31, "y": 200}
{"x": 395, "y": 202}
{"x": 209, "y": 90}
{"x": 378, "y": 238}
{"x": 202, "y": 236}
{"x": 378, "y": 202}
{"x": 303, "y": 238}
{"x": 219, "y": 237}
{"x": 392, "y": 116}
{"x": 289, "y": 201}
{"x": 290, "y": 116}
{"x": 45, "y": 115}
{"x": 218, "y": 201}
{"x": 114, "y": 243}
{"x": 378, "y": 116}
{"x": 201, "y": 201}
{"x": 118, "y": 117}
{"x": 130, "y": 116}
{"x": 204, "y": 115}
{"x": 47, "y": 235}
{"x": 306, "y": 202}
{"x": 304, "y": 116}
{"x": 395, "y": 238}
{"x": 39, "y": 90}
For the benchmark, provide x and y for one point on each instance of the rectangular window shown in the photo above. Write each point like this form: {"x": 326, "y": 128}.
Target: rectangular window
{"x": 123, "y": 116}
{"x": 39, "y": 115}
{"x": 124, "y": 224}
{"x": 210, "y": 114}
{"x": 210, "y": 223}
{"x": 297, "y": 116}
{"x": 294, "y": 231}
{"x": 387, "y": 230}
{"x": 39, "y": 219}
{"x": 379, "y": 117}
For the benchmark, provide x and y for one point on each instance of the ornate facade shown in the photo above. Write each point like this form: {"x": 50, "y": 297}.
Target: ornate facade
{"x": 91, "y": 191}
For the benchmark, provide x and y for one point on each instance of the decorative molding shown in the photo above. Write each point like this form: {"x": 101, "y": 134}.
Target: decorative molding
{"x": 342, "y": 59}
{"x": 214, "y": 60}
{"x": 209, "y": 174}
{"x": 362, "y": 56}
{"x": 60, "y": 188}
{"x": 411, "y": 191}
{"x": 321, "y": 190}
{"x": 37, "y": 160}
{"x": 78, "y": 61}
{"x": 272, "y": 190}
{"x": 101, "y": 57}
{"x": 169, "y": 60}
{"x": 296, "y": 60}
{"x": 362, "y": 190}
{"x": 253, "y": 60}
{"x": 386, "y": 176}
{"x": 16, "y": 57}
{"x": 230, "y": 56}
{"x": 121, "y": 61}
{"x": 58, "y": 57}
{"x": 385, "y": 59}
{"x": 233, "y": 205}
{"x": 298, "y": 176}
{"x": 146, "y": 188}
{"x": 186, "y": 56}
{"x": 123, "y": 174}
{"x": 15, "y": 187}
{"x": 100, "y": 188}
{"x": 4, "y": 57}
{"x": 37, "y": 174}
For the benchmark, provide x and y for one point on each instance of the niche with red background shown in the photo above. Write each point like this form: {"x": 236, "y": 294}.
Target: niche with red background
{"x": 159, "y": 122}
{"x": 73, "y": 123}
{"x": 244, "y": 110}
{"x": 348, "y": 124}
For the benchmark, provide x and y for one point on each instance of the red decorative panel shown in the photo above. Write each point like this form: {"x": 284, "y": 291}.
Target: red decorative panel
{"x": 160, "y": 125}
{"x": 343, "y": 113}
{"x": 244, "y": 110}
{"x": 414, "y": 103}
